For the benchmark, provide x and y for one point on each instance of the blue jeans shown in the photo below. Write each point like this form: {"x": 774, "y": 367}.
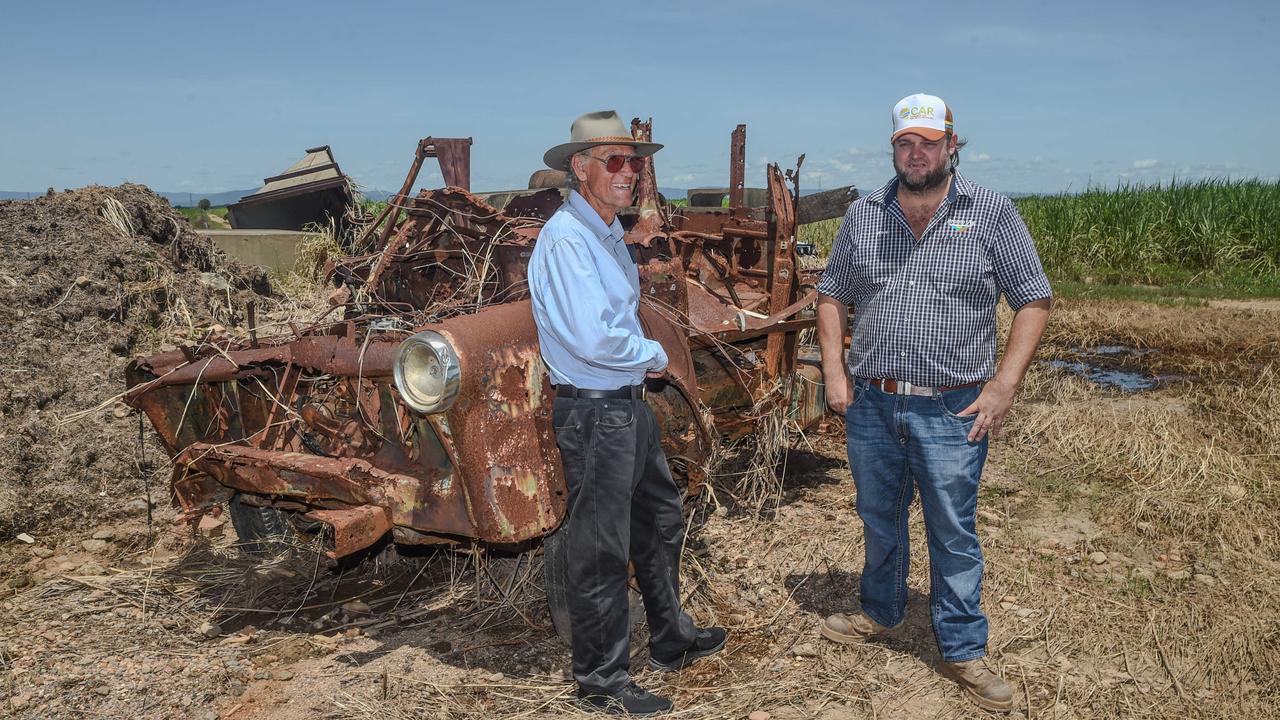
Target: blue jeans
{"x": 898, "y": 443}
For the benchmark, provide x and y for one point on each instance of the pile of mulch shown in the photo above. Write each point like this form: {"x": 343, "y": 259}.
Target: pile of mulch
{"x": 90, "y": 278}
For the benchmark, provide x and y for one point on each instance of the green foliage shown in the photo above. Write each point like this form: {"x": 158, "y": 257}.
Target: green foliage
{"x": 1159, "y": 234}
{"x": 200, "y": 219}
{"x": 822, "y": 234}
{"x": 204, "y": 204}
{"x": 1211, "y": 238}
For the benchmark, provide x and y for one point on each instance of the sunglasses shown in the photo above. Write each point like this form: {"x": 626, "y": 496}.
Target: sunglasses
{"x": 614, "y": 163}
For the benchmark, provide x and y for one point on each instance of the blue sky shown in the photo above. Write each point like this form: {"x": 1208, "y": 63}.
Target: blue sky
{"x": 214, "y": 96}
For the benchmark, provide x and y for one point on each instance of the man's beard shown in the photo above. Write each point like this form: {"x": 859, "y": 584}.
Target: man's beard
{"x": 931, "y": 181}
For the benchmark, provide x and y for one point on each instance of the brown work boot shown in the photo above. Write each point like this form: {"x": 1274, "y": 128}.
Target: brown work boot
{"x": 982, "y": 686}
{"x": 849, "y": 629}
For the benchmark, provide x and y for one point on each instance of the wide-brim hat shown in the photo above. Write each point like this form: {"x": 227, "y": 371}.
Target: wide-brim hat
{"x": 603, "y": 127}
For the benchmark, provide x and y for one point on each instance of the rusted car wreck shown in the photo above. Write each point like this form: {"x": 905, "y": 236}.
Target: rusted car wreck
{"x": 423, "y": 410}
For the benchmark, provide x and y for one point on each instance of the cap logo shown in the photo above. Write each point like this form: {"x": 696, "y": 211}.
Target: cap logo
{"x": 916, "y": 113}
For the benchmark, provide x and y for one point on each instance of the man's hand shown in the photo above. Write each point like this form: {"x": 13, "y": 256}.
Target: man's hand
{"x": 837, "y": 391}
{"x": 656, "y": 374}
{"x": 997, "y": 395}
{"x": 992, "y": 405}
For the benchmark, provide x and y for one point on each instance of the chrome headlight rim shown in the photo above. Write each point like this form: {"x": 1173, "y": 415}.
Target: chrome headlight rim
{"x": 412, "y": 394}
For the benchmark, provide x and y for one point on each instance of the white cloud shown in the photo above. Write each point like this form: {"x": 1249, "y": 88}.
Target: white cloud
{"x": 1145, "y": 164}
{"x": 982, "y": 156}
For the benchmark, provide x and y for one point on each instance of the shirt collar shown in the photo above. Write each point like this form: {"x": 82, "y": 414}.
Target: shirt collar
{"x": 887, "y": 194}
{"x": 588, "y": 216}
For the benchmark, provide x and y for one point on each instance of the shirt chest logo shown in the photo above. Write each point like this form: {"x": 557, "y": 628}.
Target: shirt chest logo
{"x": 960, "y": 228}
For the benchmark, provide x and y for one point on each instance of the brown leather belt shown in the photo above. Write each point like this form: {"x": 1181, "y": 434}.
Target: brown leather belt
{"x": 899, "y": 387}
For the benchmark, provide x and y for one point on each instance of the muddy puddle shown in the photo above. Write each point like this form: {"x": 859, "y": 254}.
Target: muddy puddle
{"x": 1115, "y": 367}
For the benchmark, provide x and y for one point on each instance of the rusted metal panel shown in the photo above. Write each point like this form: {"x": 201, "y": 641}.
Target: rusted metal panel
{"x": 663, "y": 284}
{"x": 354, "y": 529}
{"x": 500, "y": 425}
{"x": 808, "y": 398}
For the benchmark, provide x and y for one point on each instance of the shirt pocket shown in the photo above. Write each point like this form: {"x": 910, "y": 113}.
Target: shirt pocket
{"x": 875, "y": 263}
{"x": 961, "y": 266}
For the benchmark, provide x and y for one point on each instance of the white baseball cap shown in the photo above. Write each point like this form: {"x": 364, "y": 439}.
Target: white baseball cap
{"x": 924, "y": 115}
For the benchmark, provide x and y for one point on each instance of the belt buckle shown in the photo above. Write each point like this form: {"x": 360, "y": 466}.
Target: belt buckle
{"x": 644, "y": 390}
{"x": 904, "y": 387}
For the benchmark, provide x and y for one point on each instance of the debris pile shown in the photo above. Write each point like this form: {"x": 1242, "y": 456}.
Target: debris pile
{"x": 88, "y": 279}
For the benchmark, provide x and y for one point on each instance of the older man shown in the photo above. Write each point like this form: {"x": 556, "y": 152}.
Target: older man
{"x": 923, "y": 261}
{"x": 623, "y": 503}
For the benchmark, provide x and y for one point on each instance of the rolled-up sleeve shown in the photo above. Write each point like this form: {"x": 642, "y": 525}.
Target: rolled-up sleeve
{"x": 836, "y": 278}
{"x": 1015, "y": 262}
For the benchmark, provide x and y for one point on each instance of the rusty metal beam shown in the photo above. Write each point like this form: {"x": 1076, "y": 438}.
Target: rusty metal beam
{"x": 737, "y": 168}
{"x": 333, "y": 354}
{"x": 780, "y": 349}
{"x": 354, "y": 529}
{"x": 652, "y": 223}
{"x": 454, "y": 156}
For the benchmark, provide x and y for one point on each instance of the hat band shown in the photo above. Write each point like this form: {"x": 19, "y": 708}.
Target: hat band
{"x": 612, "y": 138}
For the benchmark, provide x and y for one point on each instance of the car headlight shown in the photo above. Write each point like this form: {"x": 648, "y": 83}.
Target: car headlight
{"x": 427, "y": 372}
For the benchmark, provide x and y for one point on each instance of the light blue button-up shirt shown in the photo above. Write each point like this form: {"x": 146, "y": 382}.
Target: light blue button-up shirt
{"x": 586, "y": 291}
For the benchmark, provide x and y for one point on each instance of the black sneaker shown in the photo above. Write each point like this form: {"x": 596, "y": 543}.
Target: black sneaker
{"x": 630, "y": 700}
{"x": 707, "y": 641}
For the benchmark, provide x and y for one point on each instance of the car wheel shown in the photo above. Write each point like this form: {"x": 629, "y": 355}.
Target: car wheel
{"x": 261, "y": 530}
{"x": 555, "y": 570}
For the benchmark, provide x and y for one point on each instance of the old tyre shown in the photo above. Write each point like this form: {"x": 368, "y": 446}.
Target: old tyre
{"x": 555, "y": 570}
{"x": 262, "y": 530}
{"x": 272, "y": 531}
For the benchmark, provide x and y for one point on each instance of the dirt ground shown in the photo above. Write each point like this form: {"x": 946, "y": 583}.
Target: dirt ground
{"x": 1131, "y": 541}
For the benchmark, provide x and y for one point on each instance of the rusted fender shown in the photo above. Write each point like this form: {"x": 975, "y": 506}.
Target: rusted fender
{"x": 499, "y": 427}
{"x": 500, "y": 424}
{"x": 659, "y": 325}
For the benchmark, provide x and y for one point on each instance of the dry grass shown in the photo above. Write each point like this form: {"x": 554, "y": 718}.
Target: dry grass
{"x": 115, "y": 213}
{"x": 753, "y": 478}
{"x": 1177, "y": 487}
{"x": 1186, "y": 473}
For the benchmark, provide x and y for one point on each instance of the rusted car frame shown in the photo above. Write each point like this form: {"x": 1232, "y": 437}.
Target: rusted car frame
{"x": 424, "y": 410}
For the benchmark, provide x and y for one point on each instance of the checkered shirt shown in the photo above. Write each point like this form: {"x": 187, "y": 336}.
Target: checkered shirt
{"x": 925, "y": 312}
